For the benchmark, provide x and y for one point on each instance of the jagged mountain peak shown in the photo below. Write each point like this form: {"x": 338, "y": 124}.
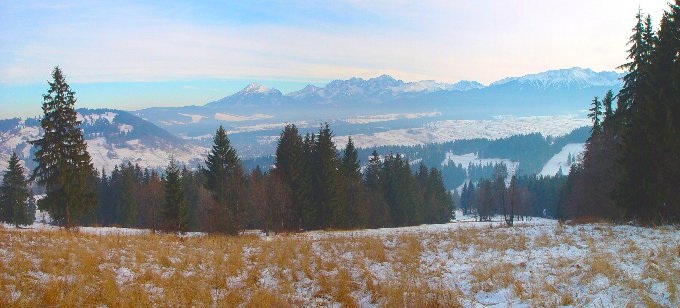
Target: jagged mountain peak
{"x": 256, "y": 88}
{"x": 465, "y": 85}
{"x": 252, "y": 95}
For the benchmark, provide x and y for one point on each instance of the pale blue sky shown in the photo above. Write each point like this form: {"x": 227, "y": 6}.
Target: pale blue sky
{"x": 135, "y": 54}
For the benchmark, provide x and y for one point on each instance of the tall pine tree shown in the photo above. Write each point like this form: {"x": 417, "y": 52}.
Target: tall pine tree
{"x": 325, "y": 173}
{"x": 175, "y": 206}
{"x": 596, "y": 115}
{"x": 225, "y": 180}
{"x": 639, "y": 191}
{"x": 607, "y": 103}
{"x": 356, "y": 212}
{"x": 64, "y": 166}
{"x": 291, "y": 169}
{"x": 378, "y": 212}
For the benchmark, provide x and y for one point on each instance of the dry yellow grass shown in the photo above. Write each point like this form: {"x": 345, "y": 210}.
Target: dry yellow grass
{"x": 448, "y": 268}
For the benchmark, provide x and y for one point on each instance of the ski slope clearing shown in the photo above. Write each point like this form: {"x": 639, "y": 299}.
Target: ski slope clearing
{"x": 536, "y": 263}
{"x": 561, "y": 159}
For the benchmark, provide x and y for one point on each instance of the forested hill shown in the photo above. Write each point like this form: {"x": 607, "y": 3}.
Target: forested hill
{"x": 475, "y": 158}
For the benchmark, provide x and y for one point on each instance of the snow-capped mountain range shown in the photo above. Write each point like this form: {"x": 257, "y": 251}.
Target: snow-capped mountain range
{"x": 385, "y": 87}
{"x": 557, "y": 92}
{"x": 573, "y": 78}
{"x": 366, "y": 108}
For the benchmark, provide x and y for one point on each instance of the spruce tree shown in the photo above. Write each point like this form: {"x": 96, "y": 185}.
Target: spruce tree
{"x": 464, "y": 200}
{"x": 175, "y": 206}
{"x": 191, "y": 184}
{"x": 309, "y": 213}
{"x": 225, "y": 179}
{"x": 326, "y": 178}
{"x": 291, "y": 168}
{"x": 638, "y": 56}
{"x": 596, "y": 115}
{"x": 441, "y": 207}
{"x": 401, "y": 191}
{"x": 426, "y": 203}
{"x": 15, "y": 195}
{"x": 607, "y": 103}
{"x": 662, "y": 112}
{"x": 127, "y": 203}
{"x": 673, "y": 117}
{"x": 64, "y": 166}
{"x": 104, "y": 188}
{"x": 379, "y": 215}
{"x": 640, "y": 192}
{"x": 500, "y": 173}
{"x": 356, "y": 212}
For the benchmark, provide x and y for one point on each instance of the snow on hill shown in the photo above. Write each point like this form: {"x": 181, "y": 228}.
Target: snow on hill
{"x": 252, "y": 95}
{"x": 471, "y": 158}
{"x": 383, "y": 85}
{"x": 432, "y": 86}
{"x": 572, "y": 78}
{"x": 561, "y": 159}
{"x": 112, "y": 136}
{"x": 390, "y": 117}
{"x": 106, "y": 155}
{"x": 449, "y": 130}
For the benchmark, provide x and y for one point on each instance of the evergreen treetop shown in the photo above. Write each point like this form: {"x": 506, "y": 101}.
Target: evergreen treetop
{"x": 15, "y": 195}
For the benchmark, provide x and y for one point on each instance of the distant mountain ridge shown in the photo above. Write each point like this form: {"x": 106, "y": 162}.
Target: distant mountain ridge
{"x": 573, "y": 78}
{"x": 254, "y": 114}
{"x": 385, "y": 88}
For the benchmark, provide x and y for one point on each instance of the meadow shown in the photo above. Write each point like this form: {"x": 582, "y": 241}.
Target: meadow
{"x": 536, "y": 263}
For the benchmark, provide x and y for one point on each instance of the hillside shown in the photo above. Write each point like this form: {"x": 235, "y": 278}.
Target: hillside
{"x": 112, "y": 136}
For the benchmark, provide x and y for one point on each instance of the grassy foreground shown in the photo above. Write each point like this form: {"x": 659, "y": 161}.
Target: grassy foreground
{"x": 451, "y": 265}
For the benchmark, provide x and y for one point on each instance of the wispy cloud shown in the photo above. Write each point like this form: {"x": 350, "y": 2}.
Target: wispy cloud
{"x": 311, "y": 40}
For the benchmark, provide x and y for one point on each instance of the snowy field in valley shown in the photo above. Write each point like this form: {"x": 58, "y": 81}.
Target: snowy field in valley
{"x": 449, "y": 130}
{"x": 536, "y": 263}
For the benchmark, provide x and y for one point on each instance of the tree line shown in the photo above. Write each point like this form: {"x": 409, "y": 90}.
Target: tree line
{"x": 631, "y": 166}
{"x": 630, "y": 169}
{"x": 312, "y": 185}
{"x": 512, "y": 197}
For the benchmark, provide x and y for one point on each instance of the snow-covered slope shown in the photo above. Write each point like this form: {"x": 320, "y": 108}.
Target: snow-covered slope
{"x": 390, "y": 117}
{"x": 112, "y": 136}
{"x": 432, "y": 86}
{"x": 561, "y": 160}
{"x": 572, "y": 78}
{"x": 442, "y": 131}
{"x": 471, "y": 158}
{"x": 252, "y": 95}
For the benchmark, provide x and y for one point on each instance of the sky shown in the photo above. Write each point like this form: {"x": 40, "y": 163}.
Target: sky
{"x": 136, "y": 54}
